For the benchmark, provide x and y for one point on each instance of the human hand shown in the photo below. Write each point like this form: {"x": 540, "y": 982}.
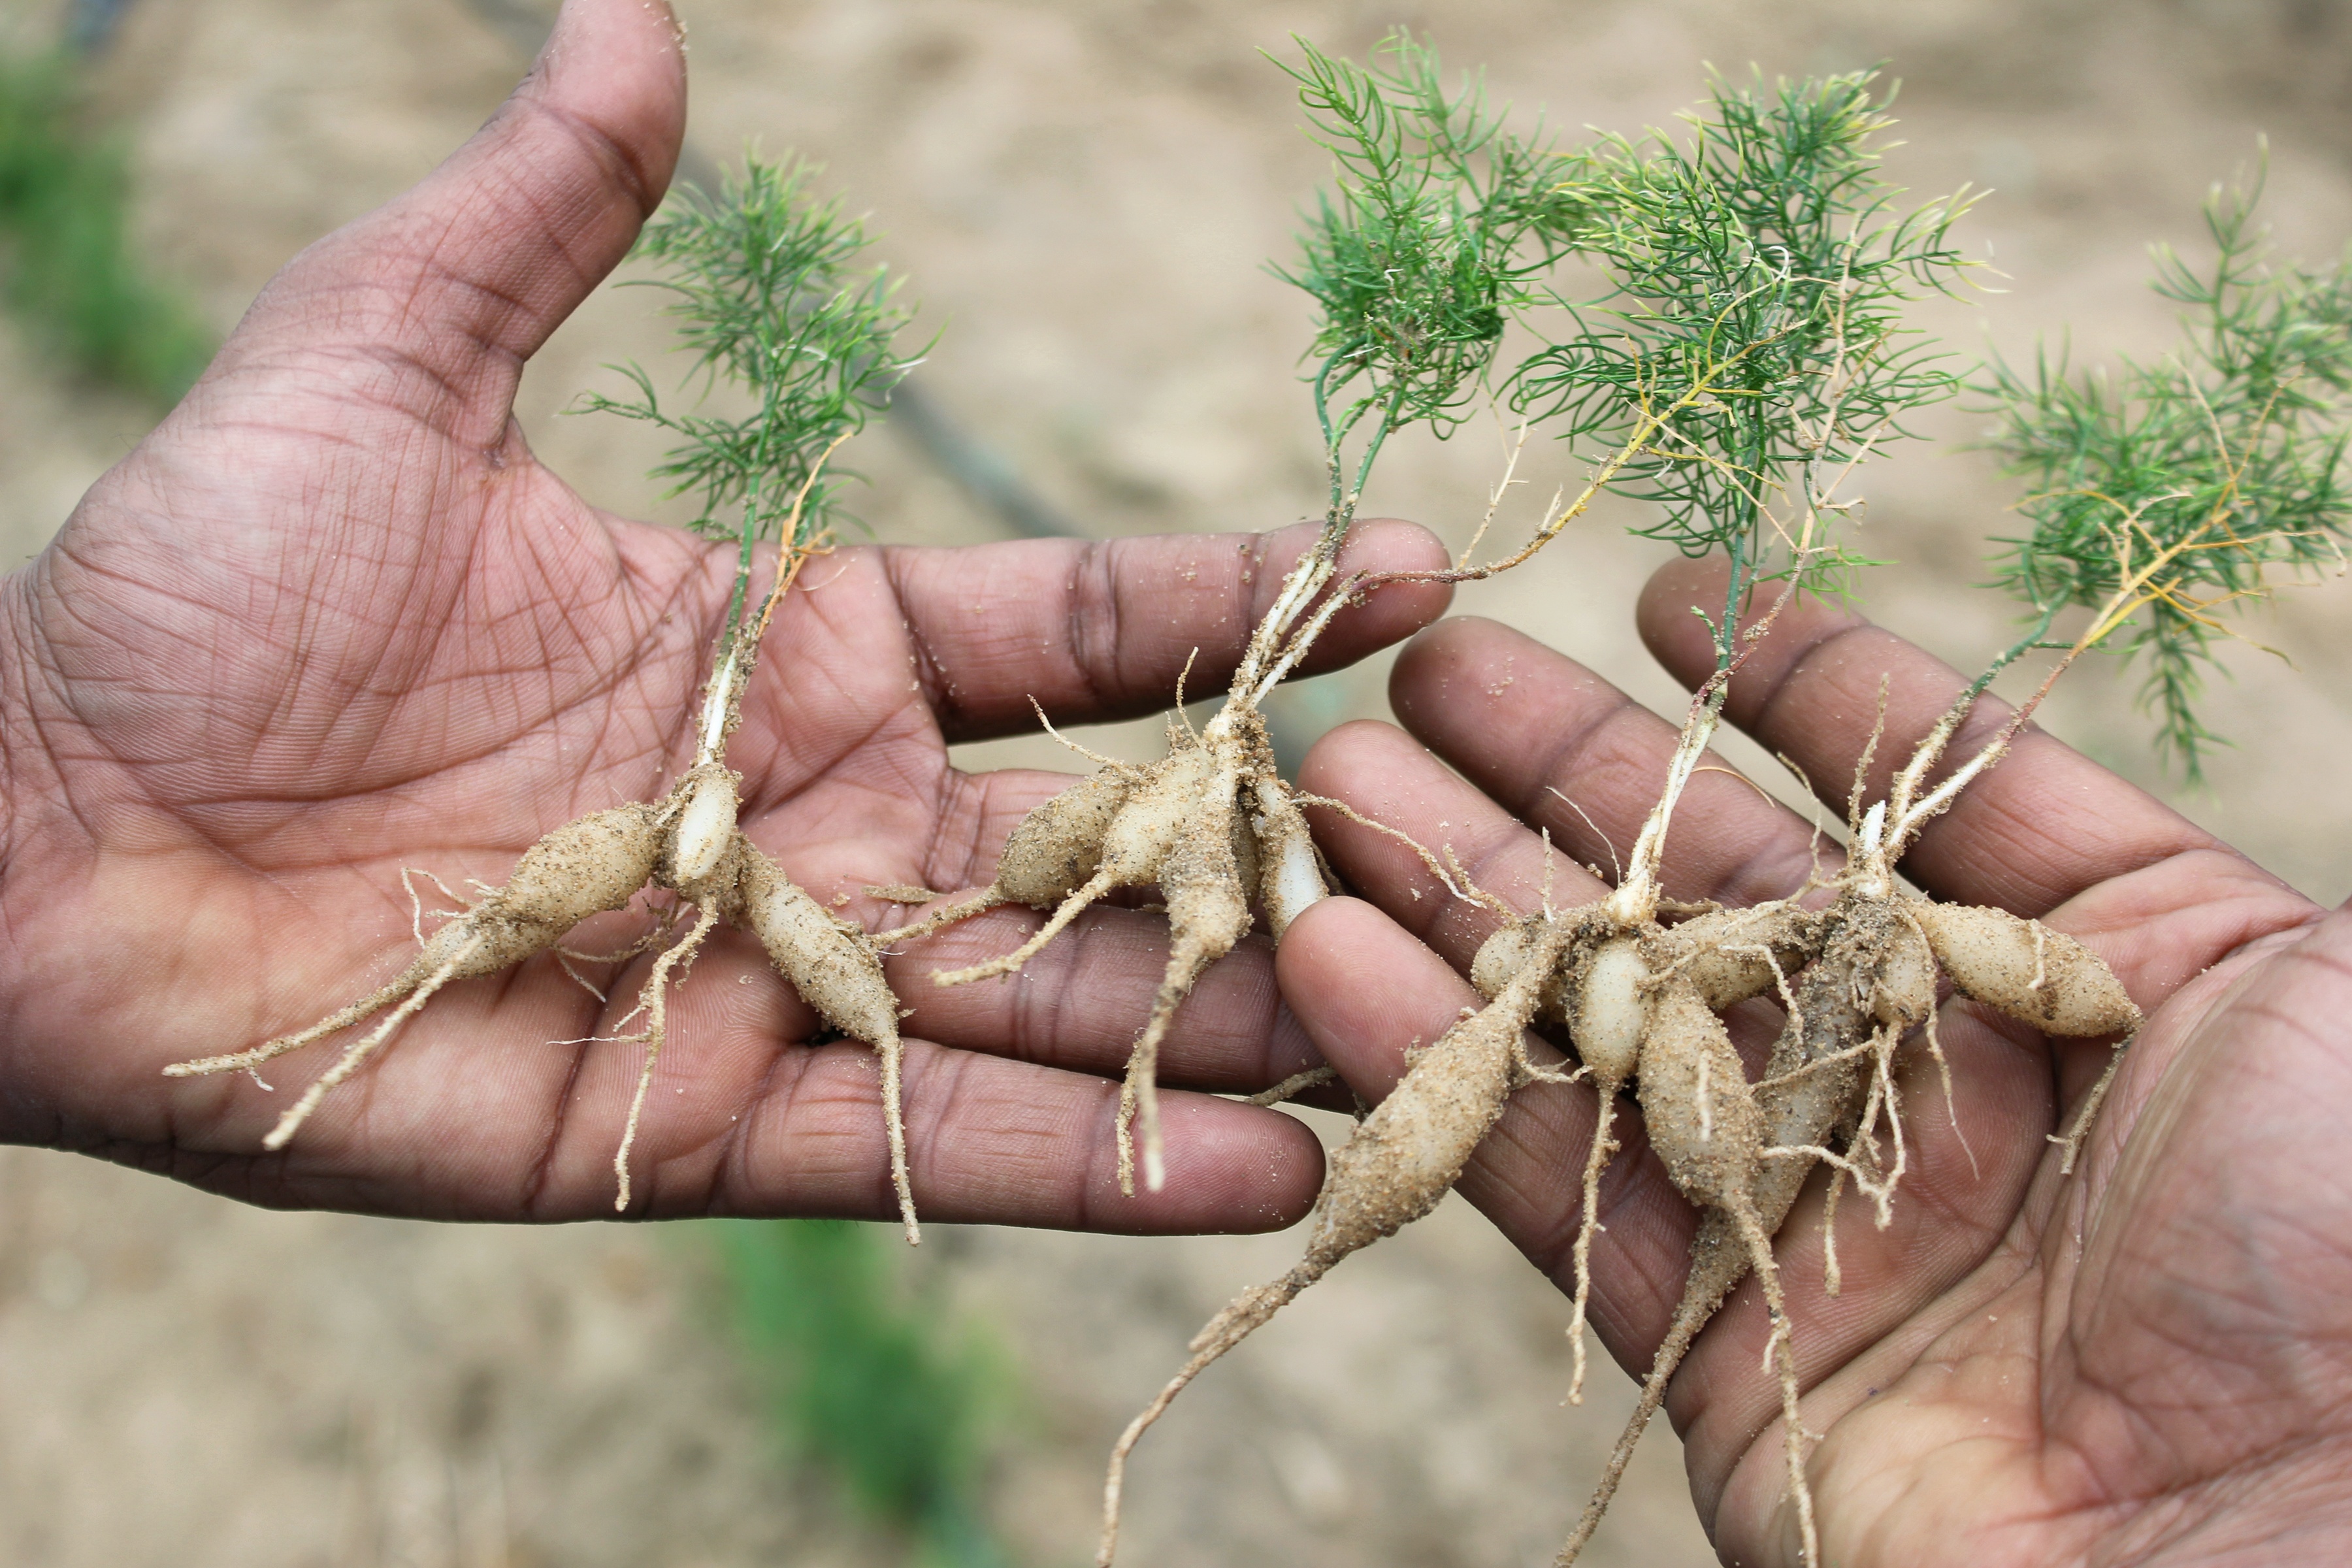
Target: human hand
{"x": 2145, "y": 1362}
{"x": 332, "y": 620}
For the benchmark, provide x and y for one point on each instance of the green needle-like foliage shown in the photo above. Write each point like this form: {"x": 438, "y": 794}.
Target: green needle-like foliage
{"x": 1752, "y": 346}
{"x": 2167, "y": 490}
{"x": 770, "y": 300}
{"x": 866, "y": 1382}
{"x": 1437, "y": 233}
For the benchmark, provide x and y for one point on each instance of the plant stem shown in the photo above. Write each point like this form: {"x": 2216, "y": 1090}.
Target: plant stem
{"x": 737, "y": 648}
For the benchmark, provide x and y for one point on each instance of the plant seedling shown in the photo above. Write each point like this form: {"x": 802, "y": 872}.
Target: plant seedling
{"x": 2162, "y": 496}
{"x": 1748, "y": 356}
{"x": 769, "y": 302}
{"x": 1766, "y": 251}
{"x": 1437, "y": 237}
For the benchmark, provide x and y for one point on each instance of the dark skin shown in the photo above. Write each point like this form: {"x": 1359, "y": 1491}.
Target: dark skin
{"x": 332, "y": 620}
{"x": 2146, "y": 1362}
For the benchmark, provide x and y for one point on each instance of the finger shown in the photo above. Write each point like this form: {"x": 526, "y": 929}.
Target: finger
{"x": 750, "y": 1122}
{"x": 2027, "y": 836}
{"x": 1077, "y": 1003}
{"x": 756, "y": 1127}
{"x": 1103, "y": 629}
{"x": 521, "y": 1089}
{"x": 988, "y": 1141}
{"x": 1388, "y": 778}
{"x": 1564, "y": 751}
{"x": 430, "y": 304}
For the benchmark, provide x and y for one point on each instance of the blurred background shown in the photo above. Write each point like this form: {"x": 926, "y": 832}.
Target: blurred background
{"x": 1084, "y": 196}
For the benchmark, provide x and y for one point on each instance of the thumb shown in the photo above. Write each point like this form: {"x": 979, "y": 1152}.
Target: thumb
{"x": 429, "y": 305}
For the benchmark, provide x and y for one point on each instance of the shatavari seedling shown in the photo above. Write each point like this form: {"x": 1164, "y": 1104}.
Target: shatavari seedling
{"x": 1749, "y": 356}
{"x": 771, "y": 301}
{"x": 1439, "y": 235}
{"x": 1742, "y": 355}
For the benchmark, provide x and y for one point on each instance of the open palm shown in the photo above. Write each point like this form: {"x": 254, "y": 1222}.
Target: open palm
{"x": 2146, "y": 1362}
{"x": 332, "y": 621}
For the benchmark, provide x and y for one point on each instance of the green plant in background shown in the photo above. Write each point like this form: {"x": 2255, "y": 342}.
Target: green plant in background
{"x": 868, "y": 1378}
{"x": 2167, "y": 490}
{"x": 71, "y": 271}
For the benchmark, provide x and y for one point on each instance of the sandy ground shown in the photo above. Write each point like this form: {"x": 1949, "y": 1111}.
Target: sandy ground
{"x": 1083, "y": 195}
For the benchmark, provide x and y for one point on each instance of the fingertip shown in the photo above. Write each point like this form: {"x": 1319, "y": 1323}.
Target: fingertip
{"x": 617, "y": 68}
{"x": 1366, "y": 991}
{"x": 1231, "y": 1169}
{"x": 1441, "y": 665}
{"x": 1335, "y": 765}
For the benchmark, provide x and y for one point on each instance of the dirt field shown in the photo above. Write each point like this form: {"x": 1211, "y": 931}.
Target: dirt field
{"x": 1083, "y": 195}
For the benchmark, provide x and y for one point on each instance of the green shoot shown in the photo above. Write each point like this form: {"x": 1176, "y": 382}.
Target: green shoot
{"x": 770, "y": 300}
{"x": 2169, "y": 491}
{"x": 72, "y": 273}
{"x": 1752, "y": 350}
{"x": 1436, "y": 235}
{"x": 865, "y": 1382}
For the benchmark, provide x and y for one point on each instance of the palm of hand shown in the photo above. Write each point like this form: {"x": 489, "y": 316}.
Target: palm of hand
{"x": 2152, "y": 1364}
{"x": 2144, "y": 1360}
{"x": 332, "y": 621}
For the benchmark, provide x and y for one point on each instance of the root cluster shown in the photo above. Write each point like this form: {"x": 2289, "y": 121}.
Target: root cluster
{"x": 1213, "y": 825}
{"x": 687, "y": 845}
{"x": 1855, "y": 962}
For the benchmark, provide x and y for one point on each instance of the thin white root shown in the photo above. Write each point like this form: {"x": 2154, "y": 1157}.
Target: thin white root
{"x": 1595, "y": 1160}
{"x": 1095, "y": 887}
{"x": 980, "y": 903}
{"x": 654, "y": 1002}
{"x": 300, "y": 1111}
{"x": 1779, "y": 1358}
{"x": 1832, "y": 1277}
{"x": 892, "y": 1053}
{"x": 1462, "y": 888}
{"x": 1951, "y": 1101}
{"x": 357, "y": 1013}
{"x": 1690, "y": 1317}
{"x": 2071, "y": 1141}
{"x": 902, "y": 893}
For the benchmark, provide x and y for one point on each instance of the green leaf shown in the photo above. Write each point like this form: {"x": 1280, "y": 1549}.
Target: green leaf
{"x": 2182, "y": 485}
{"x": 770, "y": 298}
{"x": 1760, "y": 262}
